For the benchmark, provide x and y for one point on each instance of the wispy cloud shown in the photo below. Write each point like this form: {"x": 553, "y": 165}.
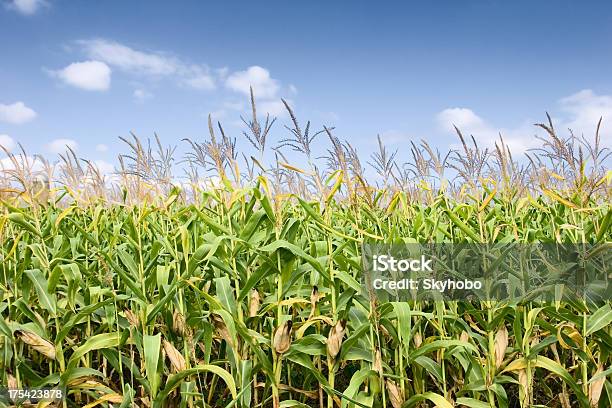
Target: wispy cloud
{"x": 149, "y": 63}
{"x": 16, "y": 113}
{"x": 59, "y": 146}
{"x": 274, "y": 107}
{"x": 199, "y": 78}
{"x": 144, "y": 66}
{"x": 583, "y": 110}
{"x": 26, "y": 7}
{"x": 328, "y": 117}
{"x": 392, "y": 137}
{"x": 7, "y": 142}
{"x": 129, "y": 59}
{"x": 142, "y": 95}
{"x": 105, "y": 168}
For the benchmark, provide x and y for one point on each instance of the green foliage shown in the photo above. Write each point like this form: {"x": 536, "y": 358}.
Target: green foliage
{"x": 107, "y": 285}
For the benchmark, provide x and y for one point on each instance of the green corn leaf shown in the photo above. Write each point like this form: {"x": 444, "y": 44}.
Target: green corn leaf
{"x": 600, "y": 319}
{"x": 437, "y": 399}
{"x": 472, "y": 403}
{"x": 175, "y": 380}
{"x": 97, "y": 342}
{"x": 152, "y": 349}
{"x": 47, "y": 300}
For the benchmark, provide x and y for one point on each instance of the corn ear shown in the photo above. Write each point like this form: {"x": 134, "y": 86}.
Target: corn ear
{"x": 282, "y": 337}
{"x": 177, "y": 361}
{"x": 334, "y": 340}
{"x": 37, "y": 343}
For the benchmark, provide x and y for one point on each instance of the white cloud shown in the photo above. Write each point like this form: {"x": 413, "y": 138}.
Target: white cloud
{"x": 142, "y": 95}
{"x": 16, "y": 113}
{"x": 236, "y": 105}
{"x": 156, "y": 64}
{"x": 101, "y": 148}
{"x": 328, "y": 117}
{"x": 265, "y": 89}
{"x": 228, "y": 107}
{"x": 582, "y": 112}
{"x": 222, "y": 73}
{"x": 204, "y": 183}
{"x": 274, "y": 108}
{"x": 104, "y": 167}
{"x": 203, "y": 81}
{"x": 259, "y": 78}
{"x": 463, "y": 118}
{"x": 579, "y": 112}
{"x": 392, "y": 137}
{"x": 61, "y": 145}
{"x": 87, "y": 75}
{"x": 518, "y": 139}
{"x": 219, "y": 114}
{"x": 26, "y": 7}
{"x": 7, "y": 142}
{"x": 6, "y": 164}
{"x": 128, "y": 59}
{"x": 31, "y": 164}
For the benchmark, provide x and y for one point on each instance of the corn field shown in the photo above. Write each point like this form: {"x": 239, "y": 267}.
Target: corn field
{"x": 247, "y": 291}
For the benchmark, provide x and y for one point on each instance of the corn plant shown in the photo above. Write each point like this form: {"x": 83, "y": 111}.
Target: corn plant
{"x": 249, "y": 293}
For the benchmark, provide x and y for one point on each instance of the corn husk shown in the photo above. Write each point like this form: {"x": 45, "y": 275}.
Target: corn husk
{"x": 377, "y": 365}
{"x": 314, "y": 298}
{"x": 314, "y": 295}
{"x": 177, "y": 361}
{"x": 11, "y": 382}
{"x": 112, "y": 398}
{"x": 221, "y": 329}
{"x": 131, "y": 318}
{"x": 36, "y": 342}
{"x": 596, "y": 387}
{"x": 207, "y": 286}
{"x": 500, "y": 345}
{"x": 564, "y": 399}
{"x": 395, "y": 394}
{"x": 74, "y": 382}
{"x": 254, "y": 303}
{"x": 334, "y": 340}
{"x": 179, "y": 324}
{"x": 524, "y": 388}
{"x": 417, "y": 339}
{"x": 282, "y": 337}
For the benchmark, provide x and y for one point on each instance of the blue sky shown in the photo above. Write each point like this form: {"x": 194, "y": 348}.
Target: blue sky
{"x": 84, "y": 73}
